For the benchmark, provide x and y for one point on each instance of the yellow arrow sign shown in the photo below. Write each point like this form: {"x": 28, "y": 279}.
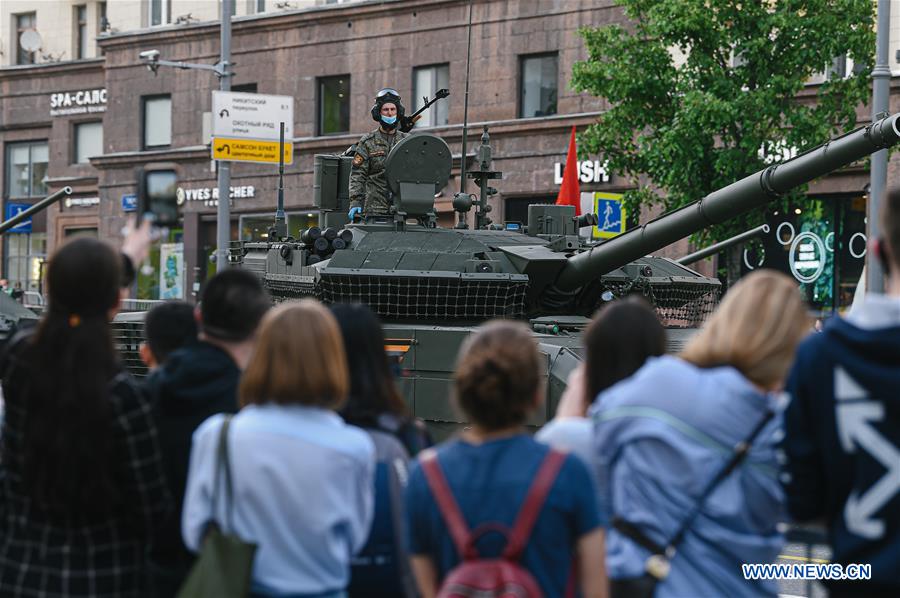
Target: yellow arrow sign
{"x": 250, "y": 150}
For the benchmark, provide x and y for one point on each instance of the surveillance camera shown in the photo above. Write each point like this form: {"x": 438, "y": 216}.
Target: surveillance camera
{"x": 150, "y": 55}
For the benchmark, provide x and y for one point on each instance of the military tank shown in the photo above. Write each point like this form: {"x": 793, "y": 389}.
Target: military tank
{"x": 431, "y": 285}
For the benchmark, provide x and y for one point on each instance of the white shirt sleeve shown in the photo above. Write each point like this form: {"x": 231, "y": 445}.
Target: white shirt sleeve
{"x": 197, "y": 512}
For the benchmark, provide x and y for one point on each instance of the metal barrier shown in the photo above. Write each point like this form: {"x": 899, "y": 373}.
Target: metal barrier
{"x": 129, "y": 305}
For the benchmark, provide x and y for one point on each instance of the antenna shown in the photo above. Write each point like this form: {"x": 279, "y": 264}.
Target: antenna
{"x": 280, "y": 224}
{"x": 462, "y": 167}
{"x": 461, "y": 202}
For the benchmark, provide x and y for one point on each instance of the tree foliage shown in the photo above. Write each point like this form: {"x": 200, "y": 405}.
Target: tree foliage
{"x": 697, "y": 88}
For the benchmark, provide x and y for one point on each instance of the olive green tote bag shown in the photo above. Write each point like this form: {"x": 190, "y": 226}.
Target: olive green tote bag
{"x": 225, "y": 565}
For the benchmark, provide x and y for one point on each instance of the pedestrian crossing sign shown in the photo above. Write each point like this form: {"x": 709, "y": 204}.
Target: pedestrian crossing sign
{"x": 610, "y": 210}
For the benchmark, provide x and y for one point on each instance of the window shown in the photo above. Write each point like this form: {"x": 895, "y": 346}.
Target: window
{"x": 841, "y": 67}
{"x": 426, "y": 81}
{"x": 260, "y": 6}
{"x": 25, "y": 252}
{"x": 538, "y": 77}
{"x": 157, "y": 121}
{"x": 25, "y": 256}
{"x": 24, "y": 22}
{"x": 160, "y": 12}
{"x": 102, "y": 25}
{"x": 26, "y": 169}
{"x": 334, "y": 105}
{"x": 81, "y": 38}
{"x": 88, "y": 141}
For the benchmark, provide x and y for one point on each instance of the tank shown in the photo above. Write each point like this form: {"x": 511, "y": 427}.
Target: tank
{"x": 431, "y": 286}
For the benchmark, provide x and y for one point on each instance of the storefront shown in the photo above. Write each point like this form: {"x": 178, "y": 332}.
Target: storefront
{"x": 821, "y": 243}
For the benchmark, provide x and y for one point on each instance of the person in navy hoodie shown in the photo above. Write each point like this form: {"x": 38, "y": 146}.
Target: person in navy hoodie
{"x": 842, "y": 429}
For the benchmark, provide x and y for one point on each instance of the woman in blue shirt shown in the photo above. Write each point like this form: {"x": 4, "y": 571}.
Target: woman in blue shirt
{"x": 302, "y": 478}
{"x": 490, "y": 468}
{"x": 661, "y": 435}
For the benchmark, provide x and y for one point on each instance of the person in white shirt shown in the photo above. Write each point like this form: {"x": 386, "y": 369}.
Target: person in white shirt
{"x": 303, "y": 480}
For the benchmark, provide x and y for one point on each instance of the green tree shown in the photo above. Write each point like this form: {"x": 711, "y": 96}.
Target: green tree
{"x": 697, "y": 123}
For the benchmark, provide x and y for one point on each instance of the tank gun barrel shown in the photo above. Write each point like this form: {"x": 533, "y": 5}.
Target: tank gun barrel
{"x": 750, "y": 192}
{"x": 762, "y": 229}
{"x": 39, "y": 206}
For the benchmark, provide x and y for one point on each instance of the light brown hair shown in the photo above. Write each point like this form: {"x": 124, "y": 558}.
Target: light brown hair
{"x": 755, "y": 329}
{"x": 498, "y": 375}
{"x": 299, "y": 359}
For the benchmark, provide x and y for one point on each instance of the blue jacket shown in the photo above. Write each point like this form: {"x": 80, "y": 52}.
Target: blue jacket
{"x": 842, "y": 439}
{"x": 660, "y": 436}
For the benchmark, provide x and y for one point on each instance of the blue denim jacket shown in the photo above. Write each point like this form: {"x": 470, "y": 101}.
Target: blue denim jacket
{"x": 659, "y": 437}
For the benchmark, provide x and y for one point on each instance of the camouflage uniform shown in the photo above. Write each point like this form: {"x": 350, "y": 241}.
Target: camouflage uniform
{"x": 368, "y": 187}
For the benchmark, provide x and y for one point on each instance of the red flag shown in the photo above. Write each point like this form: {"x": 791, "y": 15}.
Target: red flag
{"x": 570, "y": 190}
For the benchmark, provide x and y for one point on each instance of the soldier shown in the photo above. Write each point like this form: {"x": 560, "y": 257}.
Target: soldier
{"x": 368, "y": 188}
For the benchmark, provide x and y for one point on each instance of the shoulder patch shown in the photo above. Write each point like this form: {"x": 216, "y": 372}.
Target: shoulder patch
{"x": 357, "y": 160}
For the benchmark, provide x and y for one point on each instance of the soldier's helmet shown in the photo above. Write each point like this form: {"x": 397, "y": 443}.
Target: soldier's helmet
{"x": 387, "y": 95}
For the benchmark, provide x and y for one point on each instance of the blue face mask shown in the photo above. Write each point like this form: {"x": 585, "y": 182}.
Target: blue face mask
{"x": 388, "y": 120}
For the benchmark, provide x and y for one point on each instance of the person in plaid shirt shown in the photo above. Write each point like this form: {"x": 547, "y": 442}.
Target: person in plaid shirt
{"x": 81, "y": 480}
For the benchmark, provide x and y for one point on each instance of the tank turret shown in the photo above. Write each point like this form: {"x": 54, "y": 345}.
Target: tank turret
{"x": 406, "y": 268}
{"x": 432, "y": 285}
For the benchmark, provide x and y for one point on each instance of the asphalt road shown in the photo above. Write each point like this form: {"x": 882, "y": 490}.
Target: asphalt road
{"x": 797, "y": 553}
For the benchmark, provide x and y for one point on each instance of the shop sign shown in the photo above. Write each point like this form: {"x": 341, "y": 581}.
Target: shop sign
{"x": 210, "y": 195}
{"x": 129, "y": 202}
{"x": 807, "y": 257}
{"x": 82, "y": 202}
{"x": 588, "y": 172}
{"x": 610, "y": 210}
{"x": 14, "y": 209}
{"x": 88, "y": 101}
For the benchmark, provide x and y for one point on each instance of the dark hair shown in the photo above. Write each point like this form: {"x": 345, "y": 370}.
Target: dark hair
{"x": 498, "y": 374}
{"x": 618, "y": 342}
{"x": 69, "y": 444}
{"x": 168, "y": 327}
{"x": 233, "y": 303}
{"x": 372, "y": 388}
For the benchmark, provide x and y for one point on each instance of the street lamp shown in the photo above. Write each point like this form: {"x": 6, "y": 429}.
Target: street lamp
{"x": 153, "y": 61}
{"x": 220, "y": 69}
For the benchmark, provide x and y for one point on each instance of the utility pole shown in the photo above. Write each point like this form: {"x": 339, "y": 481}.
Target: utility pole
{"x": 223, "y": 213}
{"x": 881, "y": 82}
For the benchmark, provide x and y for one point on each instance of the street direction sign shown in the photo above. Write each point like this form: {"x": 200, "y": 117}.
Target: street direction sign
{"x": 250, "y": 150}
{"x": 252, "y": 115}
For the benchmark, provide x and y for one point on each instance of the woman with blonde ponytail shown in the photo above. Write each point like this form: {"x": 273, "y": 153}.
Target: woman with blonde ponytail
{"x": 665, "y": 446}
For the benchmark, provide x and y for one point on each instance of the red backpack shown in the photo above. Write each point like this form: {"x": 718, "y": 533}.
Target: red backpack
{"x": 502, "y": 577}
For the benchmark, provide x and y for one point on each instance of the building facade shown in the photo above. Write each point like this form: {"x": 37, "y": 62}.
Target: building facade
{"x": 92, "y": 122}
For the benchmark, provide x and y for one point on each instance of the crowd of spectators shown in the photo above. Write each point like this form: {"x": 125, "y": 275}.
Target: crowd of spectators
{"x": 660, "y": 474}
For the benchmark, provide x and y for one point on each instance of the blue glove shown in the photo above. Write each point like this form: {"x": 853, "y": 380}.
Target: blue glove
{"x": 354, "y": 212}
